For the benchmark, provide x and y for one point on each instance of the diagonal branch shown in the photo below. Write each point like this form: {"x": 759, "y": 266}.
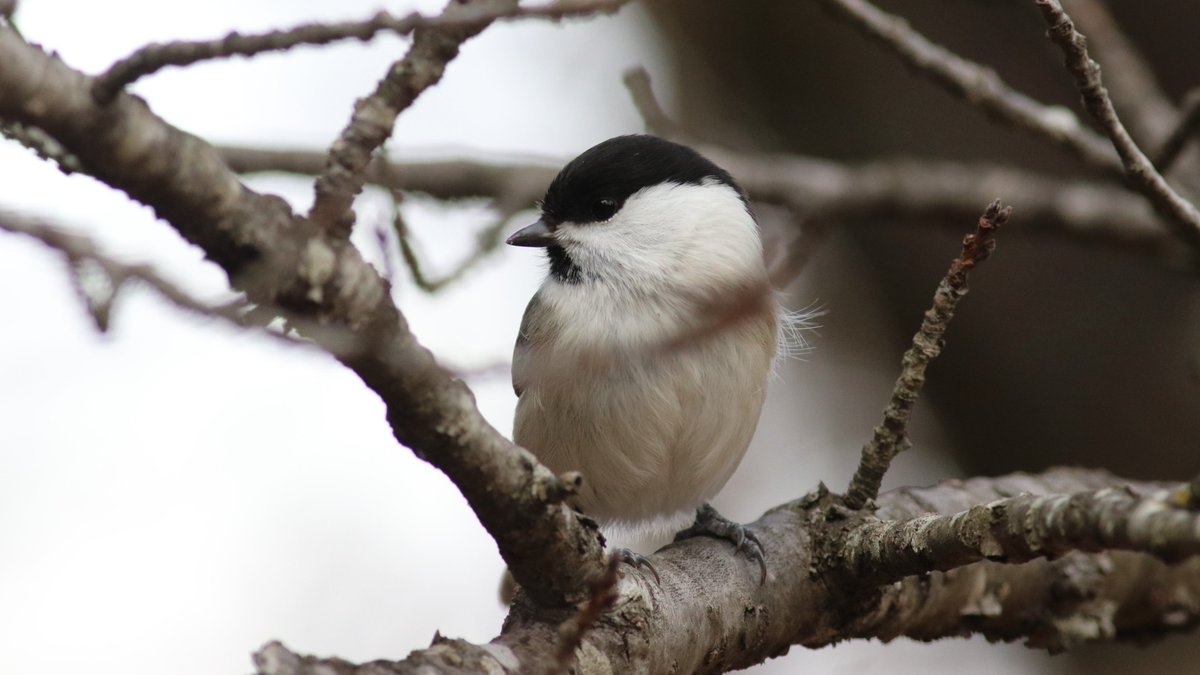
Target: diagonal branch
{"x": 279, "y": 259}
{"x": 1134, "y": 85}
{"x": 374, "y": 116}
{"x": 891, "y": 437}
{"x": 1179, "y": 212}
{"x": 1187, "y": 128}
{"x": 433, "y": 47}
{"x": 976, "y": 84}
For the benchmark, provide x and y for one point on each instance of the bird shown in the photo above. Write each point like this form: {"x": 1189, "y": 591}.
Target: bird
{"x": 643, "y": 359}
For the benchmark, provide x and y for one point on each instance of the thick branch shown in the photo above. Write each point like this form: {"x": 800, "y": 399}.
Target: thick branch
{"x": 891, "y": 437}
{"x": 1020, "y": 529}
{"x": 1179, "y": 211}
{"x": 710, "y": 615}
{"x": 279, "y": 259}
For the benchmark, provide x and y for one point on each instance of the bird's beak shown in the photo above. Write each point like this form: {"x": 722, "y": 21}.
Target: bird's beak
{"x": 537, "y": 234}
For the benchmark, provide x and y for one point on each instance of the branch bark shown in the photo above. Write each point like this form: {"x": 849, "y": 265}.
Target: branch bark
{"x": 375, "y": 115}
{"x": 892, "y": 191}
{"x": 709, "y": 615}
{"x": 1180, "y": 212}
{"x": 1135, "y": 88}
{"x": 154, "y": 57}
{"x": 81, "y": 251}
{"x": 280, "y": 259}
{"x": 891, "y": 437}
{"x": 978, "y": 85}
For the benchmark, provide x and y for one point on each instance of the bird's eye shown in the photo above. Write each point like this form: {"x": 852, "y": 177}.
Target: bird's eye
{"x": 604, "y": 209}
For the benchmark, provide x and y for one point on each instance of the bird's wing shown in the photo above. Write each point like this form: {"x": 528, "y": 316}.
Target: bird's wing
{"x": 533, "y": 321}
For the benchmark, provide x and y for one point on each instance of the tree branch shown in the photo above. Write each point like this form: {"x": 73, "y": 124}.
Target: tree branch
{"x": 637, "y": 82}
{"x": 80, "y": 252}
{"x": 374, "y": 116}
{"x": 280, "y": 259}
{"x": 710, "y": 615}
{"x": 891, "y": 191}
{"x": 1179, "y": 212}
{"x": 891, "y": 437}
{"x": 488, "y": 240}
{"x": 1188, "y": 126}
{"x": 1135, "y": 87}
{"x": 977, "y": 85}
{"x": 433, "y": 47}
{"x": 154, "y": 57}
{"x": 1020, "y": 529}
{"x": 43, "y": 145}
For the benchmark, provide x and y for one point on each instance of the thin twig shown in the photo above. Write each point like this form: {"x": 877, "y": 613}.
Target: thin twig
{"x": 1133, "y": 84}
{"x": 155, "y": 57}
{"x": 977, "y": 85}
{"x": 422, "y": 67}
{"x": 571, "y": 632}
{"x": 487, "y": 242}
{"x": 891, "y": 437}
{"x": 374, "y": 116}
{"x": 99, "y": 280}
{"x": 637, "y": 81}
{"x": 1141, "y": 173}
{"x": 1189, "y": 126}
{"x": 88, "y": 262}
{"x": 508, "y": 204}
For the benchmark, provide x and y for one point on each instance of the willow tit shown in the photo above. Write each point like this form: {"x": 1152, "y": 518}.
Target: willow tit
{"x": 643, "y": 359}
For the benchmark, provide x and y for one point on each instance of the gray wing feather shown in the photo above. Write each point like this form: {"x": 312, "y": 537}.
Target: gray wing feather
{"x": 533, "y": 320}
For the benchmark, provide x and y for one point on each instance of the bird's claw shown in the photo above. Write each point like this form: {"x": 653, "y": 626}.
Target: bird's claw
{"x": 637, "y": 561}
{"x": 709, "y": 523}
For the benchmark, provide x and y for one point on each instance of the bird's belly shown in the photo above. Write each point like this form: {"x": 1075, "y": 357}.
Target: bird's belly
{"x": 646, "y": 451}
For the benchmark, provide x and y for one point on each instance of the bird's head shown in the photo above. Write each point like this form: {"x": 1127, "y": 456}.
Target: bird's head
{"x": 638, "y": 211}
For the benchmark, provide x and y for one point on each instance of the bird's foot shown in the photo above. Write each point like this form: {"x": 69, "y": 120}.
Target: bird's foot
{"x": 709, "y": 523}
{"x": 637, "y": 560}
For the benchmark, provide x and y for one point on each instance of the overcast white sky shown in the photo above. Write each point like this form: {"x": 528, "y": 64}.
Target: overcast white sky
{"x": 175, "y": 493}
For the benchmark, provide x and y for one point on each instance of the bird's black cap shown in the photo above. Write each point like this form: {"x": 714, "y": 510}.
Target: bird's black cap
{"x": 594, "y": 185}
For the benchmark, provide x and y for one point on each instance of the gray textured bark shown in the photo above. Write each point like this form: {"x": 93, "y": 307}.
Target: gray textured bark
{"x": 282, "y": 261}
{"x": 709, "y": 615}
